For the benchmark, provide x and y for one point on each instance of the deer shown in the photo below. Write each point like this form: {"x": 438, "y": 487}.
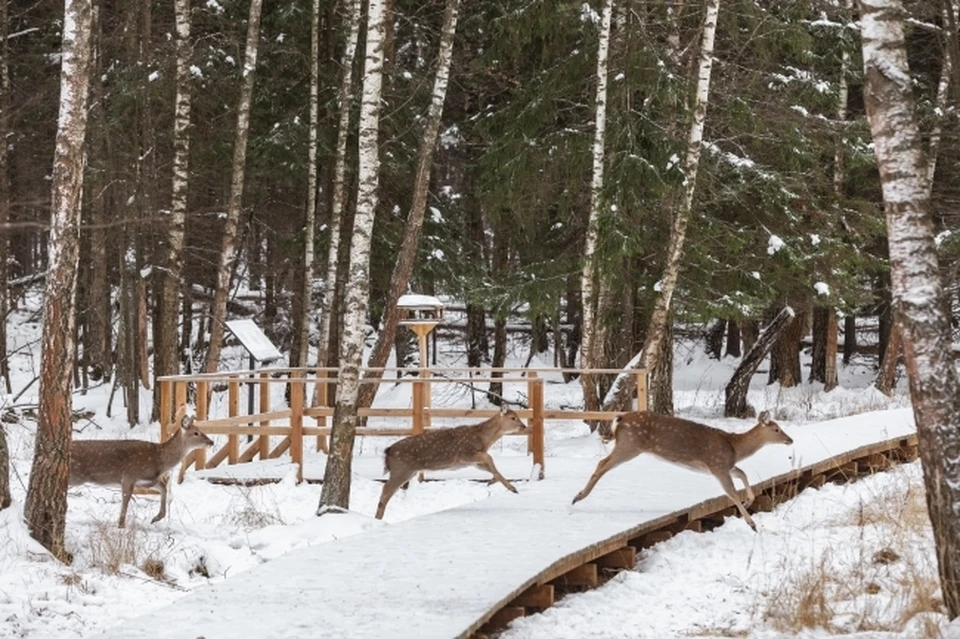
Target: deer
{"x": 690, "y": 444}
{"x": 132, "y": 462}
{"x": 446, "y": 448}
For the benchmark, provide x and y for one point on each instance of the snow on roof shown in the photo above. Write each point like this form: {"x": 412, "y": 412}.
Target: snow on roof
{"x": 413, "y": 300}
{"x": 254, "y": 340}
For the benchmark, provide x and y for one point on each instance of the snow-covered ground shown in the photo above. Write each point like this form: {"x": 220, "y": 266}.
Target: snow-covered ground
{"x": 726, "y": 583}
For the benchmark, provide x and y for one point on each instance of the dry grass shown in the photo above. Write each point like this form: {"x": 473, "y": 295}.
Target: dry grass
{"x": 110, "y": 548}
{"x": 250, "y": 513}
{"x": 883, "y": 581}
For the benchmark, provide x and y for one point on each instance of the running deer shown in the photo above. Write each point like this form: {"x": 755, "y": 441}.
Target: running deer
{"x": 445, "y": 448}
{"x": 695, "y": 446}
{"x": 133, "y": 462}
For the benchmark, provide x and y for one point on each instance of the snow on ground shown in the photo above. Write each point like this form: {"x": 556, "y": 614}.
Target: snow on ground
{"x": 213, "y": 532}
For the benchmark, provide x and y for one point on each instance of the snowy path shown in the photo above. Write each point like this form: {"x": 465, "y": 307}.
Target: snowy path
{"x": 436, "y": 575}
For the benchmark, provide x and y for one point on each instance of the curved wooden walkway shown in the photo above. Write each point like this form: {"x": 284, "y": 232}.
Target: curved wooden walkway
{"x": 468, "y": 570}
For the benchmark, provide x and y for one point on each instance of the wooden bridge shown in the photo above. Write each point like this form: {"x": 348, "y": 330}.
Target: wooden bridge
{"x": 282, "y": 430}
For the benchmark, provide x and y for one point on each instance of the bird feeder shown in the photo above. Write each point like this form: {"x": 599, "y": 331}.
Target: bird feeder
{"x": 420, "y": 313}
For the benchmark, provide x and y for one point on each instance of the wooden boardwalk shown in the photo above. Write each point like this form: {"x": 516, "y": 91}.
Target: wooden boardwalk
{"x": 449, "y": 574}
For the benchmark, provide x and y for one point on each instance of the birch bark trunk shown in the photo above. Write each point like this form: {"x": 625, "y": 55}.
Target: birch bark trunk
{"x": 917, "y": 289}
{"x": 228, "y": 250}
{"x": 653, "y": 348}
{"x": 45, "y": 508}
{"x": 418, "y": 207}
{"x": 590, "y": 344}
{"x": 336, "y": 477}
{"x": 328, "y": 309}
{"x": 167, "y": 351}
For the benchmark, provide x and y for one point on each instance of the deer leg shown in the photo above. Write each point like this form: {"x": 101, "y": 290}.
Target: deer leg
{"x": 742, "y": 476}
{"x": 726, "y": 482}
{"x": 126, "y": 489}
{"x": 485, "y": 462}
{"x": 389, "y": 488}
{"x": 608, "y": 463}
{"x": 162, "y": 487}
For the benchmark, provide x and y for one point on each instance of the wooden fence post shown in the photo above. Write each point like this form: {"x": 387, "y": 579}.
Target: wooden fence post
{"x": 166, "y": 404}
{"x": 263, "y": 408}
{"x": 233, "y": 409}
{"x": 297, "y": 383}
{"x": 642, "y": 389}
{"x": 418, "y": 406}
{"x": 537, "y": 432}
{"x": 320, "y": 400}
{"x": 202, "y": 414}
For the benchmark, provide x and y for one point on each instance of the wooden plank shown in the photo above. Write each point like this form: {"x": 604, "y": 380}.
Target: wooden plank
{"x": 654, "y": 537}
{"x": 540, "y": 597}
{"x": 763, "y": 504}
{"x": 502, "y": 618}
{"x": 538, "y": 438}
{"x": 874, "y": 462}
{"x": 218, "y": 457}
{"x": 623, "y": 558}
{"x": 585, "y": 575}
{"x": 281, "y": 448}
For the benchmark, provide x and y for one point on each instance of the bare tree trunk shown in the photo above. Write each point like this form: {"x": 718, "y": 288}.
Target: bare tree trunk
{"x": 418, "y": 207}
{"x": 4, "y": 194}
{"x": 849, "y": 338}
{"x": 46, "y": 503}
{"x": 336, "y": 476}
{"x": 887, "y": 373}
{"x": 736, "y": 391}
{"x": 228, "y": 250}
{"x": 733, "y": 340}
{"x": 917, "y": 289}
{"x": 339, "y": 196}
{"x": 5, "y": 498}
{"x": 166, "y": 359}
{"x": 301, "y": 331}
{"x": 714, "y": 338}
{"x": 590, "y": 346}
{"x": 499, "y": 264}
{"x": 824, "y": 365}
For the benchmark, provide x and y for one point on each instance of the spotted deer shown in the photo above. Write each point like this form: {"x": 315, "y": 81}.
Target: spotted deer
{"x": 129, "y": 463}
{"x": 695, "y": 446}
{"x": 445, "y": 448}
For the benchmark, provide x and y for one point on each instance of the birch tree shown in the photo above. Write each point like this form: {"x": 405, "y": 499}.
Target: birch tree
{"x": 336, "y": 476}
{"x": 46, "y": 503}
{"x": 166, "y": 351}
{"x": 302, "y": 322}
{"x": 658, "y": 330}
{"x": 228, "y": 250}
{"x": 418, "y": 207}
{"x": 590, "y": 344}
{"x": 339, "y": 195}
{"x": 917, "y": 290}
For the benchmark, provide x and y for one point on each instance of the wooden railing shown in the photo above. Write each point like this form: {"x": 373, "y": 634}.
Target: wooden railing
{"x": 281, "y": 430}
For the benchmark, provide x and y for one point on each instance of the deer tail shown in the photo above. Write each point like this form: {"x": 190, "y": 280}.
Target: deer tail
{"x": 386, "y": 460}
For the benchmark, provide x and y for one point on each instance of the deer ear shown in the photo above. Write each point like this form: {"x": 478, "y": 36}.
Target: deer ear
{"x": 187, "y": 421}
{"x": 764, "y": 417}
